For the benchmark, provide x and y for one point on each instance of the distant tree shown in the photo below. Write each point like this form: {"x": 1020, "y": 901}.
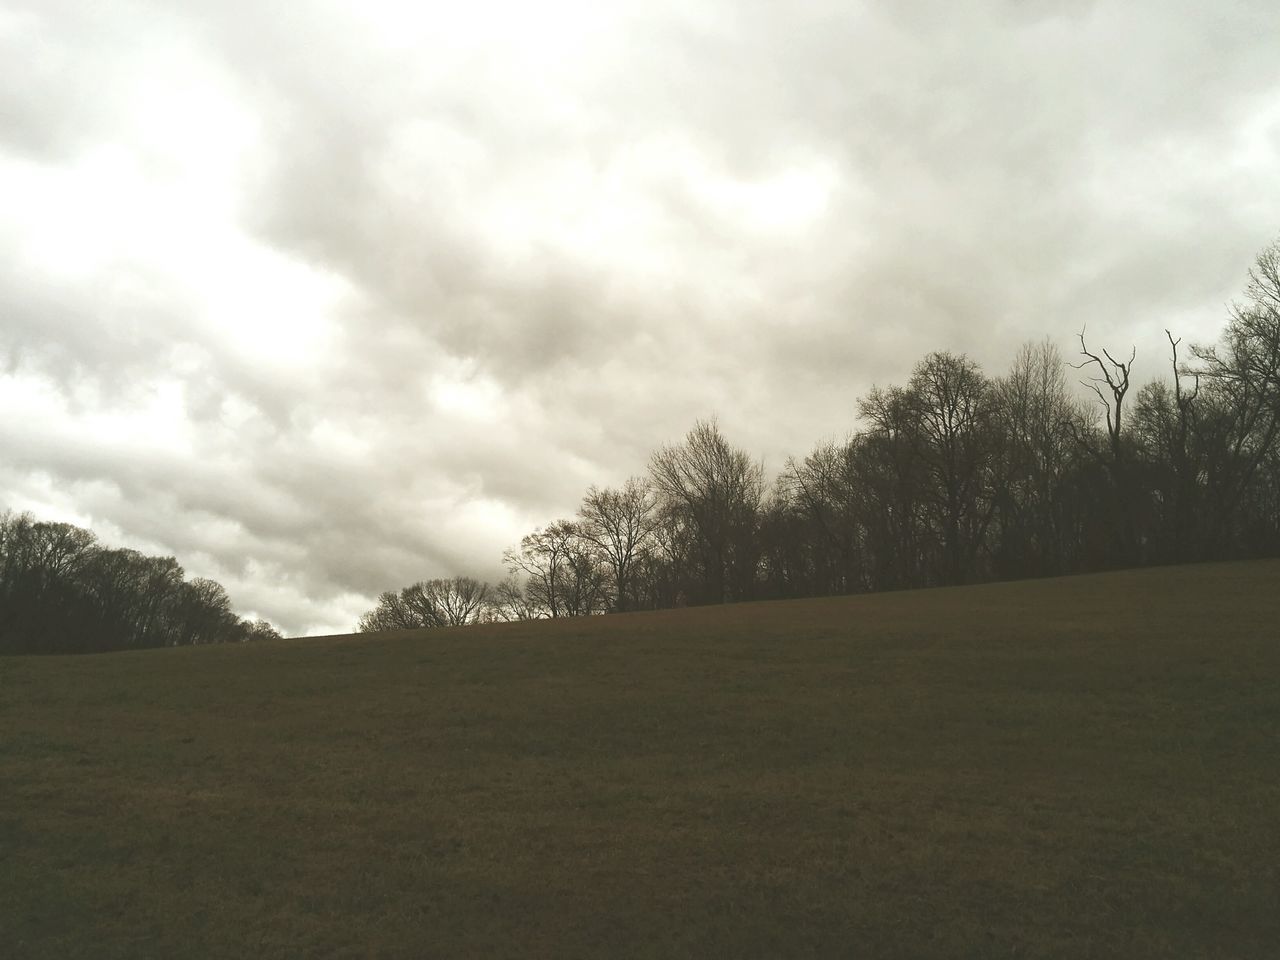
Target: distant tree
{"x": 1241, "y": 425}
{"x": 390, "y": 613}
{"x": 161, "y": 580}
{"x": 886, "y": 467}
{"x": 619, "y": 523}
{"x": 957, "y": 476}
{"x": 713, "y": 492}
{"x": 203, "y": 612}
{"x": 260, "y": 630}
{"x": 1110, "y": 383}
{"x": 817, "y": 520}
{"x": 1037, "y": 510}
{"x": 456, "y": 601}
{"x": 542, "y": 557}
{"x": 661, "y": 573}
{"x": 958, "y": 444}
{"x": 508, "y": 601}
{"x": 62, "y": 592}
{"x": 1166, "y": 428}
{"x": 451, "y": 602}
{"x": 564, "y": 574}
{"x": 1113, "y": 375}
{"x": 791, "y": 551}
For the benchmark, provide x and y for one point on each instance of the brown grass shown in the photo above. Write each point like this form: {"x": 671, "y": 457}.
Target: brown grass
{"x": 1084, "y": 767}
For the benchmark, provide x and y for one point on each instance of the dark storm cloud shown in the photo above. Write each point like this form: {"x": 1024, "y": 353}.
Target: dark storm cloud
{"x": 529, "y": 247}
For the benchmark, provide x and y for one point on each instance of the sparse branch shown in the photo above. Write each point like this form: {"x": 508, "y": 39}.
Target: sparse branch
{"x": 1115, "y": 375}
{"x": 1183, "y": 399}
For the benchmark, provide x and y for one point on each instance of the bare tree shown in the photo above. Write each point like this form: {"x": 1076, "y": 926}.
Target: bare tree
{"x": 885, "y": 461}
{"x": 619, "y": 523}
{"x": 957, "y": 444}
{"x": 1114, "y": 376}
{"x": 203, "y": 612}
{"x": 508, "y": 601}
{"x": 823, "y": 489}
{"x": 1166, "y": 430}
{"x": 1040, "y": 418}
{"x": 390, "y": 614}
{"x": 455, "y": 601}
{"x": 1242, "y": 377}
{"x": 713, "y": 490}
{"x": 260, "y": 630}
{"x": 1111, "y": 385}
{"x": 450, "y": 602}
{"x": 564, "y": 575}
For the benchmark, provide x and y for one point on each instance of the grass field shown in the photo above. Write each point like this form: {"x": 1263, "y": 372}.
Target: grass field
{"x": 1083, "y": 767}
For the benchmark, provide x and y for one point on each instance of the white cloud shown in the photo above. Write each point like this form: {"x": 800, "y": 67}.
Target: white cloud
{"x": 326, "y": 299}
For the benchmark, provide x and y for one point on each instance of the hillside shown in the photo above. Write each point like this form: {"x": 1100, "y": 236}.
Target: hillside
{"x": 1086, "y": 766}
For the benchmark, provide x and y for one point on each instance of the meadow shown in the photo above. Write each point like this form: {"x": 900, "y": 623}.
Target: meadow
{"x": 1078, "y": 767}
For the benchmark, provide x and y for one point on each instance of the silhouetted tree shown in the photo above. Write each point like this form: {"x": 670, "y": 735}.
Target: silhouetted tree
{"x": 565, "y": 576}
{"x": 451, "y": 602}
{"x": 958, "y": 447}
{"x": 886, "y": 465}
{"x": 1036, "y": 513}
{"x": 62, "y": 592}
{"x": 1166, "y": 428}
{"x": 817, "y": 523}
{"x": 508, "y": 601}
{"x": 1110, "y": 384}
{"x": 955, "y": 476}
{"x": 710, "y": 493}
{"x": 619, "y": 524}
{"x": 1242, "y": 383}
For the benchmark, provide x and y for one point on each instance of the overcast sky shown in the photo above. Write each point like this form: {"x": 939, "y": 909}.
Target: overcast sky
{"x": 325, "y": 298}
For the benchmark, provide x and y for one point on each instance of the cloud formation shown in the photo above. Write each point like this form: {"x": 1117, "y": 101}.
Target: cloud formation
{"x": 326, "y": 298}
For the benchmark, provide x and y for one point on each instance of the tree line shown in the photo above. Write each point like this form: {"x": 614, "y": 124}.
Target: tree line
{"x": 954, "y": 477}
{"x": 63, "y": 592}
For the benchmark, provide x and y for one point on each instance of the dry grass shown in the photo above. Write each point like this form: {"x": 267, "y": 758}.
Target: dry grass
{"x": 1086, "y": 767}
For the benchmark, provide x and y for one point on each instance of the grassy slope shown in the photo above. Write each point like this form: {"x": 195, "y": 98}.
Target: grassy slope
{"x": 1078, "y": 767}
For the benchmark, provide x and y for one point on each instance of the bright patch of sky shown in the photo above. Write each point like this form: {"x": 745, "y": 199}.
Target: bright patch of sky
{"x": 326, "y": 299}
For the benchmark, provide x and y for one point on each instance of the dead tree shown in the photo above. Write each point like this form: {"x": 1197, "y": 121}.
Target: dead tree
{"x": 1111, "y": 386}
{"x": 1115, "y": 377}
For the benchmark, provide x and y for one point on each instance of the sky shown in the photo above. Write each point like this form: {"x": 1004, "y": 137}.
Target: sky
{"x": 324, "y": 298}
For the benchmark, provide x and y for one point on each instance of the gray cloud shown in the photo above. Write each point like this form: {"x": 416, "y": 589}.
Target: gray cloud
{"x": 324, "y": 299}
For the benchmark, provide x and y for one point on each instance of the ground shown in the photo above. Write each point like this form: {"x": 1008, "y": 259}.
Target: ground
{"x": 1079, "y": 767}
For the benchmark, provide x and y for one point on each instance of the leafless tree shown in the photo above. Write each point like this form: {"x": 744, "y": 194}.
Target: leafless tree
{"x": 508, "y": 601}
{"x": 886, "y": 463}
{"x": 260, "y": 630}
{"x": 1167, "y": 434}
{"x": 824, "y": 490}
{"x": 1114, "y": 376}
{"x": 564, "y": 574}
{"x": 714, "y": 491}
{"x": 619, "y": 524}
{"x": 1241, "y": 415}
{"x": 449, "y": 602}
{"x": 1110, "y": 384}
{"x": 391, "y": 613}
{"x": 456, "y": 601}
{"x": 957, "y": 443}
{"x": 1040, "y": 419}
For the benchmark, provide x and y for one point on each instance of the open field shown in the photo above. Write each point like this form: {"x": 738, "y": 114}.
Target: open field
{"x": 1084, "y": 767}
